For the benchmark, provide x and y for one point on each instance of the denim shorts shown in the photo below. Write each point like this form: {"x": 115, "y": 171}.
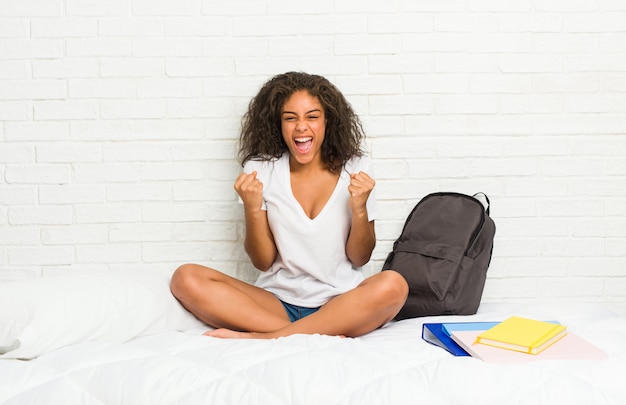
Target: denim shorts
{"x": 296, "y": 312}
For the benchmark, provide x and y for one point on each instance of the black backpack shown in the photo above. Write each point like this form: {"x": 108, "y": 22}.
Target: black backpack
{"x": 443, "y": 252}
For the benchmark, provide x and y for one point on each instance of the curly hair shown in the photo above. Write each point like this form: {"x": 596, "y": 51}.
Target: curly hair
{"x": 261, "y": 136}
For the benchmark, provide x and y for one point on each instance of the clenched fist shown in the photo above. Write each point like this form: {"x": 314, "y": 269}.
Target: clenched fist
{"x": 361, "y": 185}
{"x": 250, "y": 189}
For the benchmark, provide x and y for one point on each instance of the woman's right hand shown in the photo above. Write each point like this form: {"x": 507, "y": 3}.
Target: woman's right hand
{"x": 250, "y": 189}
{"x": 259, "y": 242}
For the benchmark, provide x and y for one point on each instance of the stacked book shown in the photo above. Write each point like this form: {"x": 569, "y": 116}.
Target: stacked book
{"x": 515, "y": 339}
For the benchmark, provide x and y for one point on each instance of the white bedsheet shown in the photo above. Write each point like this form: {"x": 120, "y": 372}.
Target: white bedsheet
{"x": 389, "y": 366}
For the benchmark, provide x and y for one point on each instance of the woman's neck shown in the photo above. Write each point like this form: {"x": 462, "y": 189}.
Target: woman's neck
{"x": 314, "y": 167}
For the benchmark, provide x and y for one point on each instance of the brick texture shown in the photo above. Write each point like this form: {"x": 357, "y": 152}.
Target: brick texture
{"x": 119, "y": 122}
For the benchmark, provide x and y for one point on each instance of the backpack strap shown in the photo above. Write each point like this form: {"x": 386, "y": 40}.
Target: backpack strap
{"x": 454, "y": 254}
{"x": 487, "y": 203}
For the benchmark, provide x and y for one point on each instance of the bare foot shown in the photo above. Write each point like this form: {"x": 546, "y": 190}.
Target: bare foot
{"x": 224, "y": 333}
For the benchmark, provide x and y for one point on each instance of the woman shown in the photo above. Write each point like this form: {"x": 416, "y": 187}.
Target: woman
{"x": 309, "y": 213}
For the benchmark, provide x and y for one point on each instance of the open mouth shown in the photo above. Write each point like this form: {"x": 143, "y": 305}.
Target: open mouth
{"x": 303, "y": 145}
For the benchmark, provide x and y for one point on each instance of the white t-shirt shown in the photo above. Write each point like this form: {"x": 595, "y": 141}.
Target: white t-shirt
{"x": 311, "y": 266}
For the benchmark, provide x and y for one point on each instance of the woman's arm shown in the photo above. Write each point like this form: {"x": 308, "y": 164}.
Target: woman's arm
{"x": 362, "y": 237}
{"x": 259, "y": 241}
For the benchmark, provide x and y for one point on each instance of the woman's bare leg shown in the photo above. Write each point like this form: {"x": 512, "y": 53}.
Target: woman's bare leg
{"x": 359, "y": 311}
{"x": 226, "y": 302}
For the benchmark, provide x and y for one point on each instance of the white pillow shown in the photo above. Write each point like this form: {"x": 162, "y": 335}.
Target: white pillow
{"x": 41, "y": 315}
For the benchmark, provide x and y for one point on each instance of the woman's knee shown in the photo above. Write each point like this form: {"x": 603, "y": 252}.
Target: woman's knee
{"x": 186, "y": 280}
{"x": 394, "y": 287}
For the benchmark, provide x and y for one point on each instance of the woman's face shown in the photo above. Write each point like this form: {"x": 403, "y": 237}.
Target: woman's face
{"x": 303, "y": 126}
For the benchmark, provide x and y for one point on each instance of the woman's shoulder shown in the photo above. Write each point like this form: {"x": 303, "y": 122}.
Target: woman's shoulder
{"x": 268, "y": 170}
{"x": 359, "y": 164}
{"x": 263, "y": 165}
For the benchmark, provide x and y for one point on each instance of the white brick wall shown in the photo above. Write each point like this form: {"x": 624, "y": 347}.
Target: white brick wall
{"x": 119, "y": 122}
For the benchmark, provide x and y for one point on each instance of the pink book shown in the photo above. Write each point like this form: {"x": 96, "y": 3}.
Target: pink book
{"x": 570, "y": 347}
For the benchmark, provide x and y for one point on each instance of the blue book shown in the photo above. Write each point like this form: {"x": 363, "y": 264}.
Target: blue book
{"x": 438, "y": 334}
{"x": 433, "y": 333}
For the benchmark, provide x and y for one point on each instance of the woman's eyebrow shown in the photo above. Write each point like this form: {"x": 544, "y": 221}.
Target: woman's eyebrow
{"x": 308, "y": 112}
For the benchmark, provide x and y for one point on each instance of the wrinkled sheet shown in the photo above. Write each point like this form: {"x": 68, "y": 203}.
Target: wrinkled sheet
{"x": 392, "y": 365}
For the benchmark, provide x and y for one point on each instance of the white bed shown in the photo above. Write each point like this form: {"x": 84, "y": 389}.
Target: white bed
{"x": 120, "y": 338}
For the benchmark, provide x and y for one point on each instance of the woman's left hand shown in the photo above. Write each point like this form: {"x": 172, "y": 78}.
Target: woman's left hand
{"x": 361, "y": 185}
